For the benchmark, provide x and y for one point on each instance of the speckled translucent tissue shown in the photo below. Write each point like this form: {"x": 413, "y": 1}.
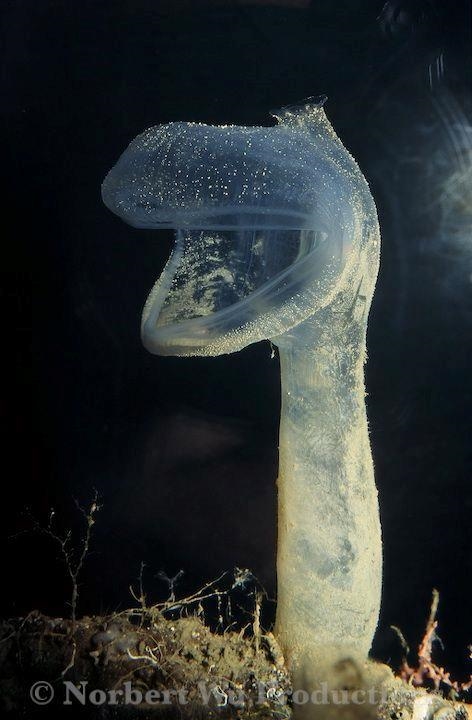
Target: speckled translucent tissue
{"x": 277, "y": 238}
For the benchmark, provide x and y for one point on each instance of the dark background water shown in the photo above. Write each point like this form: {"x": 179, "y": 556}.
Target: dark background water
{"x": 184, "y": 451}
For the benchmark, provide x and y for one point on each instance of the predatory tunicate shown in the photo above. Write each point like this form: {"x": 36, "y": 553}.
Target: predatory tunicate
{"x": 276, "y": 237}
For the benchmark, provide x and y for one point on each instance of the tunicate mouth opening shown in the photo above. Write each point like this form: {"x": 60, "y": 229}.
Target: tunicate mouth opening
{"x": 148, "y": 214}
{"x": 216, "y": 281}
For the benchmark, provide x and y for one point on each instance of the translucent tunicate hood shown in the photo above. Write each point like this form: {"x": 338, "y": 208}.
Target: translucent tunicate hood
{"x": 262, "y": 216}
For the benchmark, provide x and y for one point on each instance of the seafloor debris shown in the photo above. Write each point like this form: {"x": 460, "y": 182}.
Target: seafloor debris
{"x": 139, "y": 663}
{"x": 142, "y": 658}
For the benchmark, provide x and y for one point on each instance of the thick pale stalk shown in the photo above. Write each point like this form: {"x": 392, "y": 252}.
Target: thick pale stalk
{"x": 329, "y": 544}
